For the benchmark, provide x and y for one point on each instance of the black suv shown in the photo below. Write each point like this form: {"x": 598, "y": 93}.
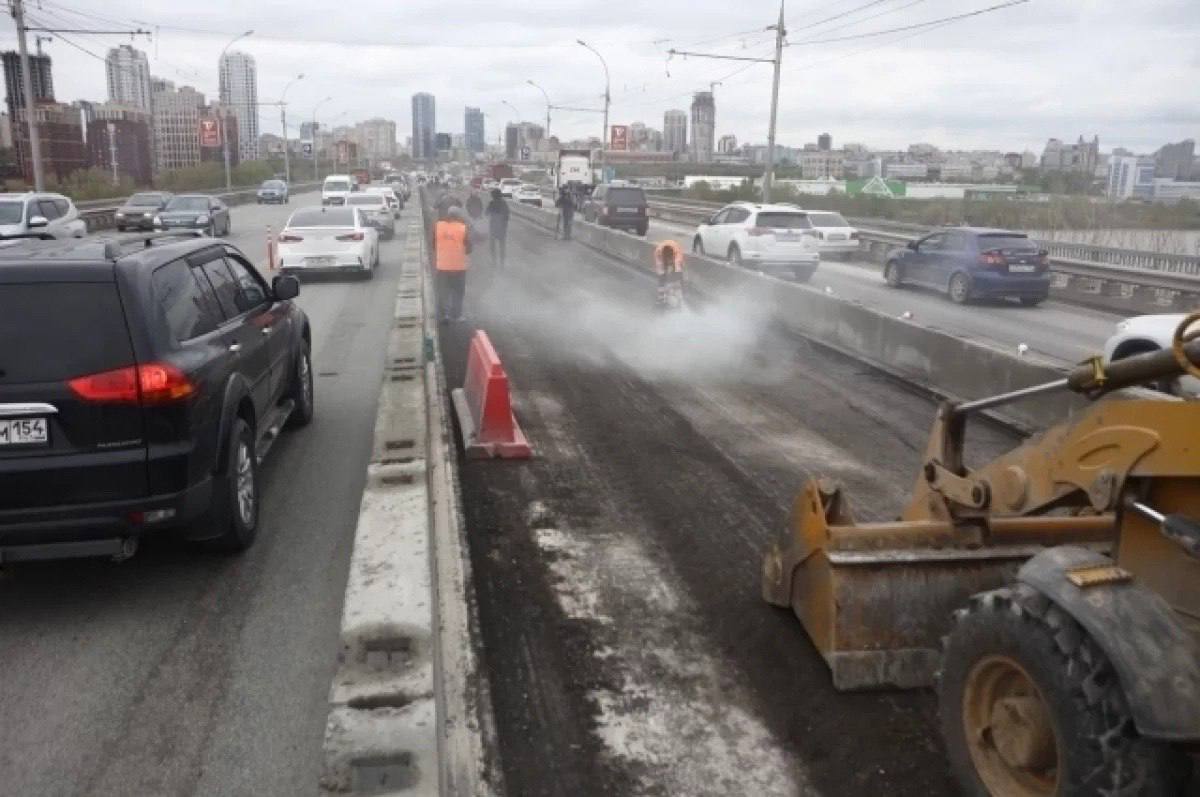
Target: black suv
{"x": 618, "y": 206}
{"x": 142, "y": 381}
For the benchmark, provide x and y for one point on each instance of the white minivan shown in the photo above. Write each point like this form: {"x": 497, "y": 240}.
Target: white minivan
{"x": 336, "y": 188}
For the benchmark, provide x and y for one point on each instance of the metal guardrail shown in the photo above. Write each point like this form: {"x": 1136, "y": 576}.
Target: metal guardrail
{"x": 98, "y": 214}
{"x": 1122, "y": 280}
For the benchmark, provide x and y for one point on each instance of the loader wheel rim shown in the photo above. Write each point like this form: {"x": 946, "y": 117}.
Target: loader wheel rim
{"x": 1008, "y": 729}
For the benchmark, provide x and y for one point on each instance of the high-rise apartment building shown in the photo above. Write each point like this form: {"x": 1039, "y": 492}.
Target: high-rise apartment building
{"x": 176, "y": 126}
{"x": 239, "y": 92}
{"x": 118, "y": 141}
{"x": 128, "y": 77}
{"x": 824, "y": 142}
{"x": 704, "y": 126}
{"x": 675, "y": 124}
{"x": 40, "y": 76}
{"x": 376, "y": 139}
{"x": 424, "y": 121}
{"x": 474, "y": 137}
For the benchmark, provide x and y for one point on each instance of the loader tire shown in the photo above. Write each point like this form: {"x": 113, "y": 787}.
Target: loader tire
{"x": 1019, "y": 675}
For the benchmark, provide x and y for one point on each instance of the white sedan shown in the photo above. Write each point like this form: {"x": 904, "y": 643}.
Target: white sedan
{"x": 508, "y": 185}
{"x": 389, "y": 194}
{"x": 328, "y": 240}
{"x": 1147, "y": 333}
{"x": 835, "y": 236}
{"x": 528, "y": 195}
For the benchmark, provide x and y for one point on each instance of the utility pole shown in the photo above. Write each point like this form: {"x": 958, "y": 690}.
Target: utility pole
{"x": 777, "y": 61}
{"x": 287, "y": 164}
{"x": 112, "y": 152}
{"x": 607, "y": 103}
{"x": 35, "y": 141}
{"x": 769, "y": 174}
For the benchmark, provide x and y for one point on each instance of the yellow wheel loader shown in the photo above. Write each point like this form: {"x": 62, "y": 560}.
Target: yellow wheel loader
{"x": 1052, "y": 596}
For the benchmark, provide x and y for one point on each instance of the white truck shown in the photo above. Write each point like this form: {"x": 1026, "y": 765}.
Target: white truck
{"x": 574, "y": 169}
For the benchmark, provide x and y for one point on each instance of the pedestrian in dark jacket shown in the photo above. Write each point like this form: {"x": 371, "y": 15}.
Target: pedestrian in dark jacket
{"x": 566, "y": 210}
{"x": 474, "y": 207}
{"x": 497, "y": 213}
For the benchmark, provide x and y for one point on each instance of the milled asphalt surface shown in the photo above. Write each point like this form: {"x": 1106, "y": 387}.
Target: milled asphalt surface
{"x": 628, "y": 646}
{"x": 1061, "y": 331}
{"x": 182, "y": 672}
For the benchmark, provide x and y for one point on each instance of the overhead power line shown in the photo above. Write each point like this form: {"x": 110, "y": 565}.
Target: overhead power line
{"x": 917, "y": 26}
{"x": 855, "y": 10}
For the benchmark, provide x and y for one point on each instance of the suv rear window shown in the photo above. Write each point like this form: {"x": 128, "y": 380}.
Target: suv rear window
{"x": 1005, "y": 241}
{"x": 337, "y": 185}
{"x": 318, "y": 217}
{"x": 783, "y": 221}
{"x": 57, "y": 331}
{"x": 827, "y": 220}
{"x": 625, "y": 196}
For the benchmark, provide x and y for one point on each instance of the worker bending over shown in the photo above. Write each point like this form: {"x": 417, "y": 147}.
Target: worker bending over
{"x": 668, "y": 265}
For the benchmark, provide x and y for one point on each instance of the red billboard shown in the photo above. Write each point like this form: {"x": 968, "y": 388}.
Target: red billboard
{"x": 210, "y": 132}
{"x": 619, "y": 139}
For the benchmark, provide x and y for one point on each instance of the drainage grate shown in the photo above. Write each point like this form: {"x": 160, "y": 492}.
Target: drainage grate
{"x": 398, "y": 478}
{"x": 395, "y": 445}
{"x": 383, "y": 774}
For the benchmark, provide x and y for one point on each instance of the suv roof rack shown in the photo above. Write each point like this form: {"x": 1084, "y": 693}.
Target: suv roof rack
{"x": 114, "y": 248}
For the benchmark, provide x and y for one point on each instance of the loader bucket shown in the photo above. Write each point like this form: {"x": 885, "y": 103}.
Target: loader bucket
{"x": 877, "y": 598}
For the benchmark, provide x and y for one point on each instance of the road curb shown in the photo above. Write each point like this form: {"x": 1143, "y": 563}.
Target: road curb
{"x": 397, "y": 723}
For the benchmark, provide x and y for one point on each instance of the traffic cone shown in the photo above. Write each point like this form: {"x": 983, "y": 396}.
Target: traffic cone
{"x": 484, "y": 407}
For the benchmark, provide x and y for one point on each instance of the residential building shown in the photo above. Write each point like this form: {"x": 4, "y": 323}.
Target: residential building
{"x": 60, "y": 132}
{"x": 519, "y": 135}
{"x": 6, "y": 137}
{"x": 176, "y": 126}
{"x": 424, "y": 117}
{"x": 376, "y": 139}
{"x": 239, "y": 93}
{"x": 825, "y": 142}
{"x": 819, "y": 163}
{"x": 444, "y": 142}
{"x": 704, "y": 126}
{"x": 905, "y": 171}
{"x": 1130, "y": 177}
{"x": 1079, "y": 157}
{"x": 1174, "y": 161}
{"x": 727, "y": 145}
{"x": 474, "y": 136}
{"x": 1170, "y": 191}
{"x": 43, "y": 91}
{"x": 675, "y": 124}
{"x": 128, "y": 73}
{"x": 118, "y": 141}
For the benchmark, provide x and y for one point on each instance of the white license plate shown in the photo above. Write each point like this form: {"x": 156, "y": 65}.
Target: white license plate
{"x": 788, "y": 236}
{"x": 23, "y": 431}
{"x": 627, "y": 210}
{"x": 1017, "y": 268}
{"x": 836, "y": 237}
{"x": 320, "y": 262}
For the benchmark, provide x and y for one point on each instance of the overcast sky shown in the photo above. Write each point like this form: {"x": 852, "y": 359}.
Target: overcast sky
{"x": 1127, "y": 71}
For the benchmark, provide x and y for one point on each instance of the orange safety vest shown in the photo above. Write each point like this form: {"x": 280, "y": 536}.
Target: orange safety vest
{"x": 660, "y": 265}
{"x": 450, "y": 245}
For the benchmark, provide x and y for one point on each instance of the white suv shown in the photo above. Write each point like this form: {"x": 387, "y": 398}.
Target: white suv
{"x": 778, "y": 239}
{"x": 34, "y": 214}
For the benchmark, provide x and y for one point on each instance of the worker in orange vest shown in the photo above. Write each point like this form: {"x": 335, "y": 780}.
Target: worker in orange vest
{"x": 451, "y": 245}
{"x": 668, "y": 265}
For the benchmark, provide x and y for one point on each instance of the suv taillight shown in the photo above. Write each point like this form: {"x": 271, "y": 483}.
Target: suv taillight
{"x": 353, "y": 236}
{"x": 754, "y": 232}
{"x": 153, "y": 383}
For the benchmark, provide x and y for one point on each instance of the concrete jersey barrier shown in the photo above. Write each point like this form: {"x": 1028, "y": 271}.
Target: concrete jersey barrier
{"x": 947, "y": 365}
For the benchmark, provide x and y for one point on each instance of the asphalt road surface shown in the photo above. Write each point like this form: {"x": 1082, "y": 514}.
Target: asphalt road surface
{"x": 1061, "y": 331}
{"x": 181, "y": 672}
{"x": 617, "y": 572}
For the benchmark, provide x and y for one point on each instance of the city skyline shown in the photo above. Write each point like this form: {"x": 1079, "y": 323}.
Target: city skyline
{"x": 925, "y": 88}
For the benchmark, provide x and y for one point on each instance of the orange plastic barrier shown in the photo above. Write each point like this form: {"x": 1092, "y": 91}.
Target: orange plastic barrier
{"x": 484, "y": 407}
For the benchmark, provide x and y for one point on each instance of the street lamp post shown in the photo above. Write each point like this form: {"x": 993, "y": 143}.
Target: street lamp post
{"x": 607, "y": 101}
{"x": 547, "y": 96}
{"x": 316, "y": 157}
{"x": 287, "y": 162}
{"x": 229, "y": 89}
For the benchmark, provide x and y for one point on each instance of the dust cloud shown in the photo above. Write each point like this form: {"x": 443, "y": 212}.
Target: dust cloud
{"x": 592, "y": 319}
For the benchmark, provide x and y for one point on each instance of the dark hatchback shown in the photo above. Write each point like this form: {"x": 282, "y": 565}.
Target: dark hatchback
{"x": 141, "y": 383}
{"x": 970, "y": 263}
{"x": 139, "y": 211}
{"x": 622, "y": 207}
